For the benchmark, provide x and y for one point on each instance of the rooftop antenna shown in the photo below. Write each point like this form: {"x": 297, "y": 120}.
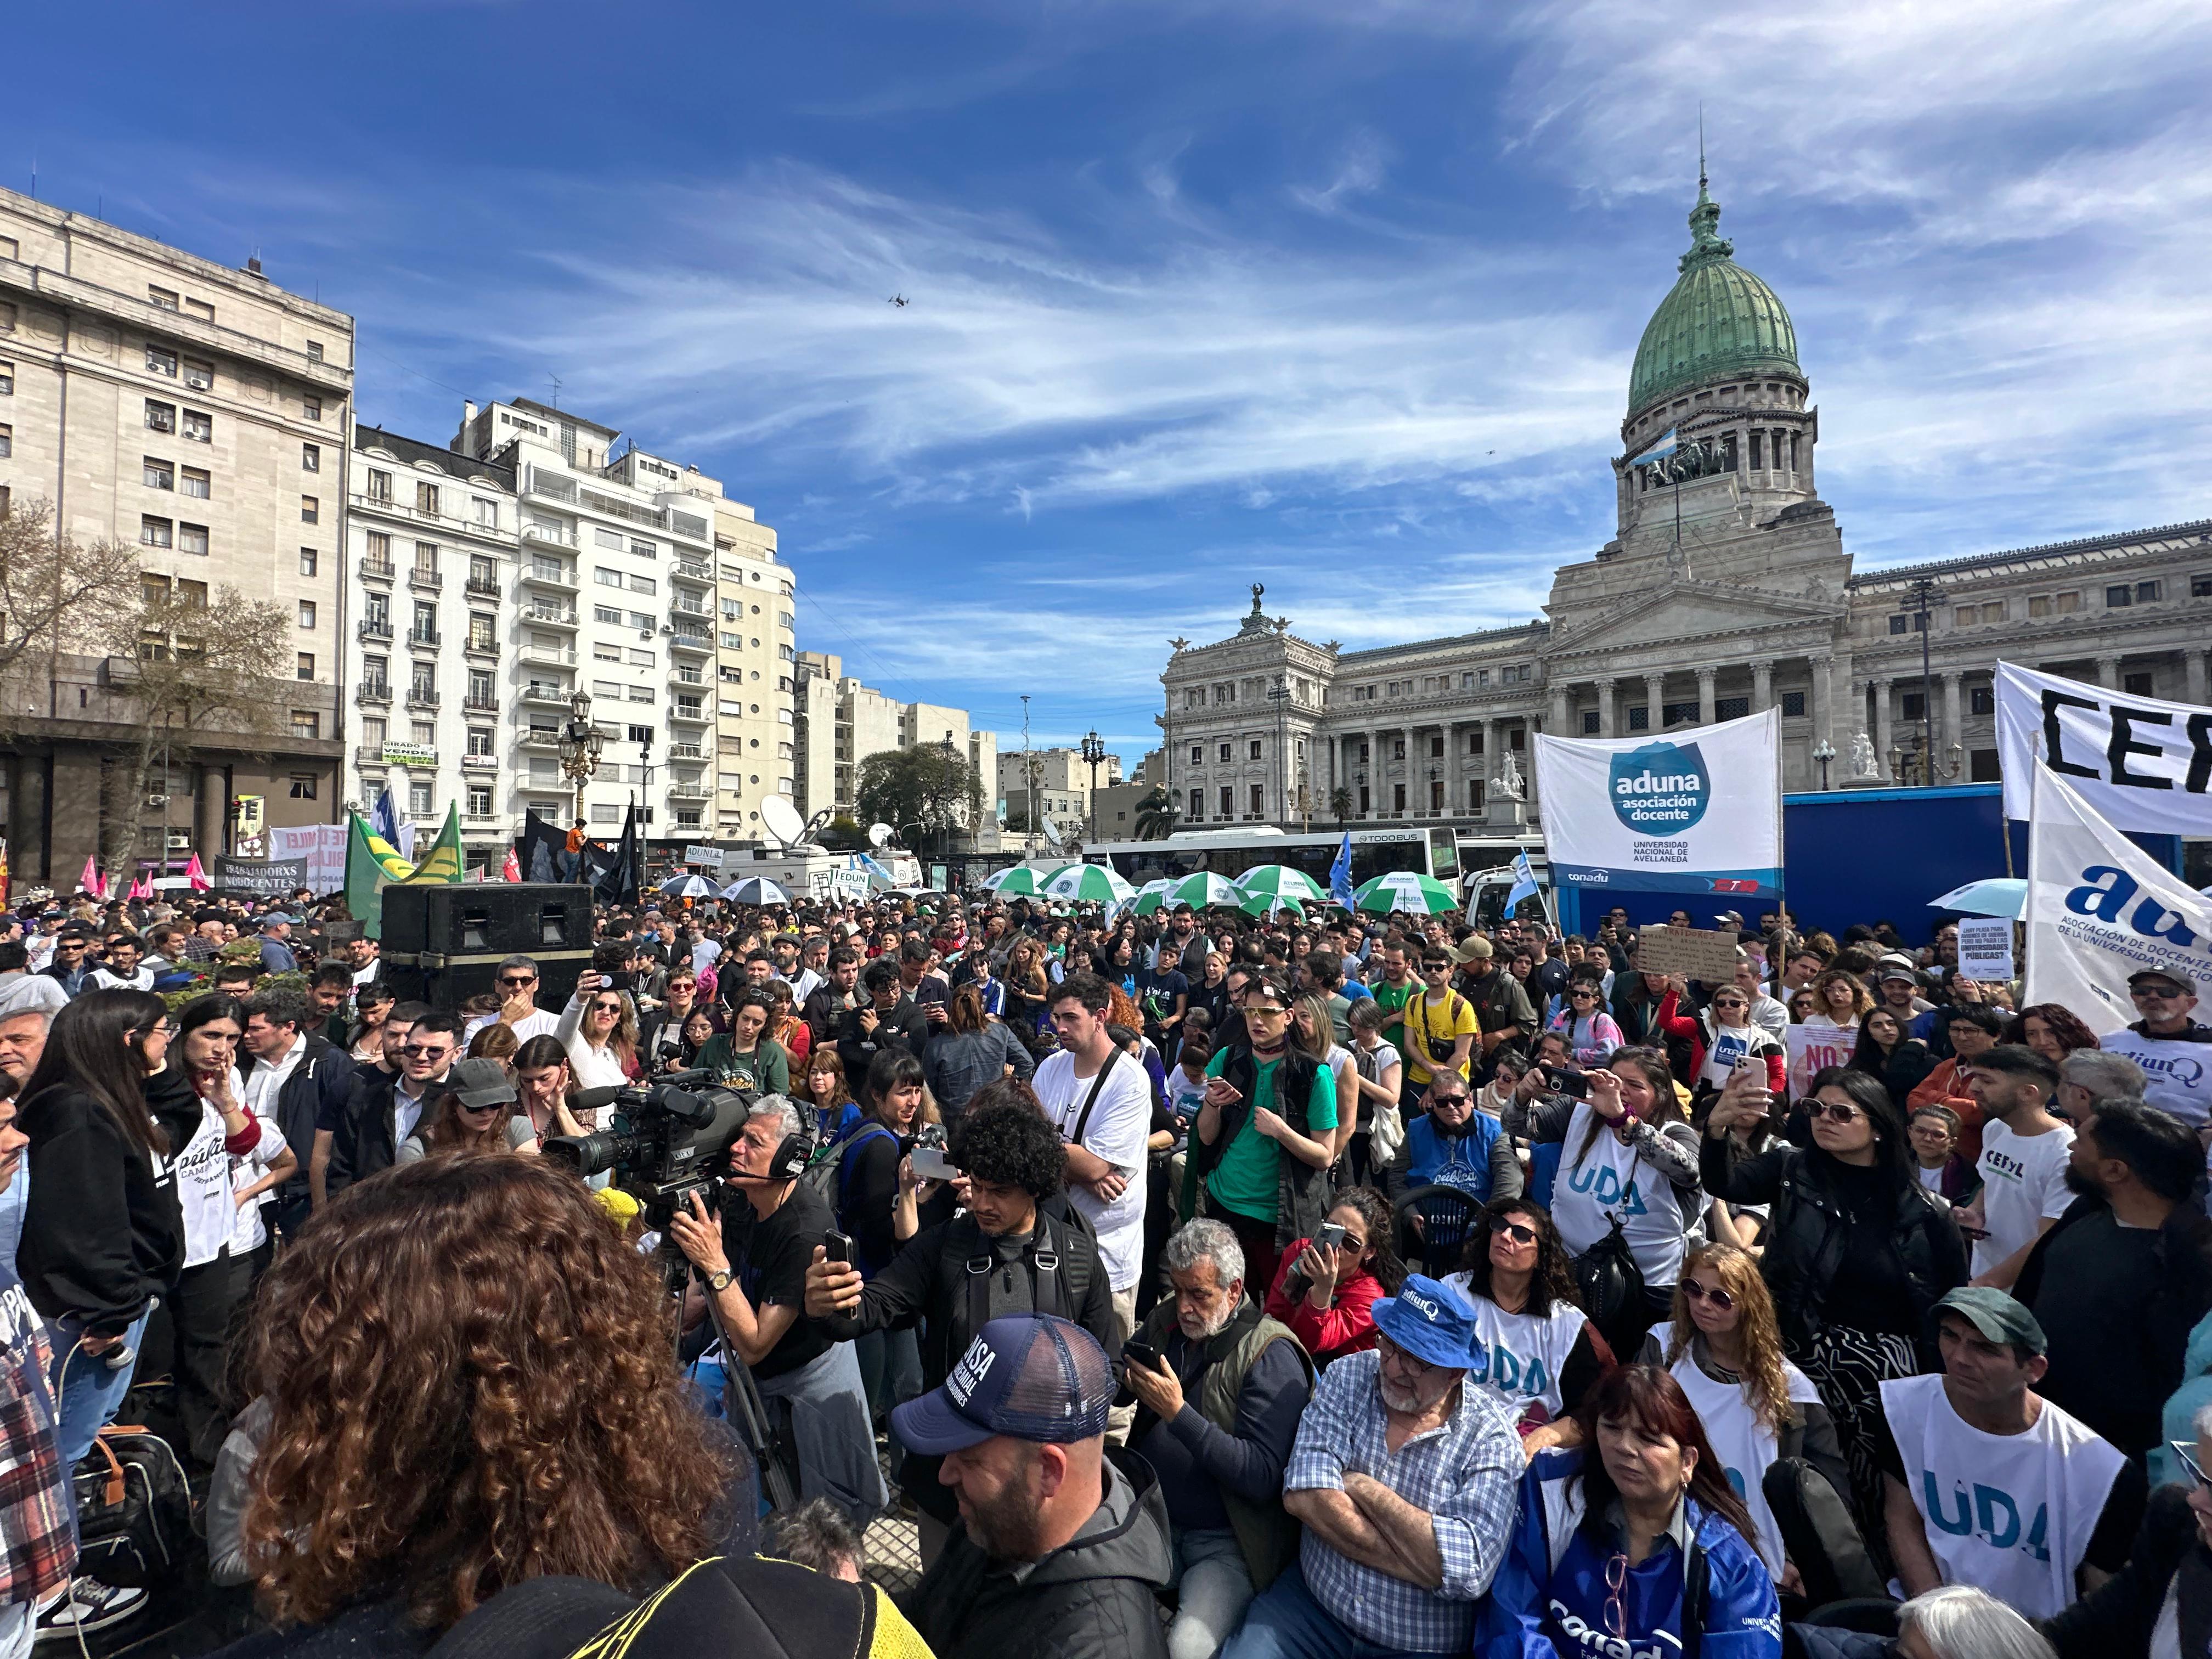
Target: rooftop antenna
{"x": 1701, "y": 146}
{"x": 556, "y": 379}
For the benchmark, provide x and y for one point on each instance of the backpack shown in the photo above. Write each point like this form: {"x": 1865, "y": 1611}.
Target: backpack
{"x": 134, "y": 1513}
{"x": 831, "y": 1165}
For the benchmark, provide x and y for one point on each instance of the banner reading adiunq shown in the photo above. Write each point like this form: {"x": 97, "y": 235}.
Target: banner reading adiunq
{"x": 1700, "y": 812}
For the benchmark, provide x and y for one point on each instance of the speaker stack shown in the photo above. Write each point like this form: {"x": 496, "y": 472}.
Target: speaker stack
{"x": 443, "y": 945}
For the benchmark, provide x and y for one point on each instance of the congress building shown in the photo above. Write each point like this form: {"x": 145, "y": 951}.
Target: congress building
{"x": 1726, "y": 591}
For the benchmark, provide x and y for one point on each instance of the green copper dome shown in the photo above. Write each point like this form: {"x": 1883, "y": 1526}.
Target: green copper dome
{"x": 1717, "y": 320}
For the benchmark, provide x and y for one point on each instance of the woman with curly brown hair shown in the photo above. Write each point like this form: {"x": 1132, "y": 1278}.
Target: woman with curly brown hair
{"x": 470, "y": 1383}
{"x": 1540, "y": 1353}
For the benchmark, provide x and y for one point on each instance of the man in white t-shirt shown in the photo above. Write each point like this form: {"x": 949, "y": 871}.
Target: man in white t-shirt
{"x": 2023, "y": 1163}
{"x": 1105, "y": 1124}
{"x": 518, "y": 1004}
{"x": 2174, "y": 1050}
{"x": 1986, "y": 1482}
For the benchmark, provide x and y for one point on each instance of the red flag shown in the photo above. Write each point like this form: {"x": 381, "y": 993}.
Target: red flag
{"x": 512, "y": 870}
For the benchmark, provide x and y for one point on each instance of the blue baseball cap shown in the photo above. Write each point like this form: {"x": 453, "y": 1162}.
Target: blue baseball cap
{"x": 1430, "y": 1321}
{"x": 1031, "y": 1376}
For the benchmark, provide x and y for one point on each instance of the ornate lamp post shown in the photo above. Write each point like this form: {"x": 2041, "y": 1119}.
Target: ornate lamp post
{"x": 1093, "y": 751}
{"x": 580, "y": 741}
{"x": 1824, "y": 752}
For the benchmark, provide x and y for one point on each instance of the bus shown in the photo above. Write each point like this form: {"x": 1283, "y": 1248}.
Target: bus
{"x": 1230, "y": 852}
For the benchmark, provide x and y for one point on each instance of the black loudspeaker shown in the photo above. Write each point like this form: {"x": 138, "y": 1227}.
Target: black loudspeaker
{"x": 443, "y": 945}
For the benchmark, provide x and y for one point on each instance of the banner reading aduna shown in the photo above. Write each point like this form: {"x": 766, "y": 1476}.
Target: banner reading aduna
{"x": 2100, "y": 908}
{"x": 1700, "y": 811}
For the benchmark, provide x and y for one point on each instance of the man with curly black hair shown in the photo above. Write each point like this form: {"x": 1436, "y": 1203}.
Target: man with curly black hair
{"x": 1002, "y": 1254}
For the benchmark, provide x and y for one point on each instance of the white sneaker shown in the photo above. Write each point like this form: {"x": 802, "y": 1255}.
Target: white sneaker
{"x": 89, "y": 1606}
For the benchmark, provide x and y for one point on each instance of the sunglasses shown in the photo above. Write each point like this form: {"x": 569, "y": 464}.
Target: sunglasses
{"x": 1448, "y": 1100}
{"x": 1697, "y": 1292}
{"x": 2197, "y": 1475}
{"x": 1730, "y": 1002}
{"x": 488, "y": 1106}
{"x": 1265, "y": 1013}
{"x": 2146, "y": 994}
{"x": 518, "y": 979}
{"x": 1519, "y": 1232}
{"x": 424, "y": 1050}
{"x": 1834, "y": 1111}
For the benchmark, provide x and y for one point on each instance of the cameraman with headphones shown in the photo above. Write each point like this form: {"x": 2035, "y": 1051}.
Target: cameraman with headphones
{"x": 755, "y": 1267}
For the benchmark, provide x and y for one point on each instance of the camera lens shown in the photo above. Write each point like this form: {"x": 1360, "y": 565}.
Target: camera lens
{"x": 592, "y": 1154}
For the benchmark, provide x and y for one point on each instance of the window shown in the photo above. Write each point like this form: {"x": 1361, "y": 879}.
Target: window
{"x": 1639, "y": 719}
{"x": 311, "y": 458}
{"x": 1228, "y": 800}
{"x": 306, "y": 723}
{"x": 1981, "y": 700}
{"x": 1912, "y": 622}
{"x": 606, "y": 578}
{"x": 311, "y": 510}
{"x": 640, "y": 659}
{"x": 1397, "y": 749}
{"x": 371, "y": 732}
{"x": 306, "y": 613}
{"x": 2139, "y": 685}
{"x": 307, "y": 561}
{"x": 481, "y": 634}
{"x": 379, "y": 485}
{"x": 164, "y": 297}
{"x": 1916, "y": 706}
{"x": 608, "y": 538}
{"x": 2054, "y": 604}
{"x": 2147, "y": 593}
{"x": 422, "y": 684}
{"x": 426, "y": 499}
{"x": 418, "y": 800}
{"x": 480, "y": 692}
{"x": 199, "y": 376}
{"x": 641, "y": 622}
{"x": 479, "y": 801}
{"x": 157, "y": 474}
{"x": 2200, "y": 587}
{"x": 487, "y": 512}
{"x": 1793, "y": 705}
{"x": 640, "y": 694}
{"x": 156, "y": 532}
{"x": 192, "y": 538}
{"x": 609, "y": 614}
{"x": 311, "y": 409}
{"x": 426, "y": 559}
{"x": 1254, "y": 748}
{"x": 1224, "y": 753}
{"x": 315, "y": 350}
{"x": 8, "y": 380}
{"x": 426, "y": 620}
{"x": 199, "y": 426}
{"x": 606, "y": 653}
{"x": 648, "y": 551}
{"x": 1259, "y": 798}
{"x": 307, "y": 668}
{"x": 733, "y": 641}
{"x": 642, "y": 584}
{"x": 1731, "y": 709}
{"x": 160, "y": 416}
{"x": 303, "y": 786}
{"x": 480, "y": 740}
{"x": 160, "y": 360}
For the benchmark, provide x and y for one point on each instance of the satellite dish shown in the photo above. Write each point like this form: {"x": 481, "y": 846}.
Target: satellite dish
{"x": 1051, "y": 831}
{"x": 879, "y": 834}
{"x": 781, "y": 820}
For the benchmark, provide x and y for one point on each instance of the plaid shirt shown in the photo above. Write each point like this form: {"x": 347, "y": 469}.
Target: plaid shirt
{"x": 38, "y": 1505}
{"x": 1466, "y": 1473}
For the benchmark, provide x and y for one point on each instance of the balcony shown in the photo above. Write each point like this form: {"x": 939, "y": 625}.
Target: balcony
{"x": 545, "y": 737}
{"x": 686, "y": 751}
{"x": 426, "y": 639}
{"x": 680, "y": 613}
{"x": 375, "y": 693}
{"x": 539, "y": 573}
{"x": 547, "y": 656}
{"x": 684, "y": 640}
{"x": 373, "y": 627}
{"x": 481, "y": 587}
{"x": 684, "y": 675}
{"x": 689, "y": 792}
{"x": 369, "y": 755}
{"x": 549, "y": 616}
{"x": 423, "y": 699}
{"x": 479, "y": 705}
{"x": 426, "y": 581}
{"x": 479, "y": 762}
{"x": 481, "y": 820}
{"x": 549, "y": 535}
{"x": 694, "y": 570}
{"x": 536, "y": 481}
{"x": 683, "y": 715}
{"x": 480, "y": 646}
{"x": 377, "y": 570}
{"x": 541, "y": 695}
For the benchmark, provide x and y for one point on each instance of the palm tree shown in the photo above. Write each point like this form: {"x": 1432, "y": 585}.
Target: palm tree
{"x": 1156, "y": 815}
{"x": 1340, "y": 802}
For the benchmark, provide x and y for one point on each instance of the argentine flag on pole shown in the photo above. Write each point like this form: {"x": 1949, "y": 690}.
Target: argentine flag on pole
{"x": 1661, "y": 448}
{"x": 1524, "y": 883}
{"x": 1340, "y": 874}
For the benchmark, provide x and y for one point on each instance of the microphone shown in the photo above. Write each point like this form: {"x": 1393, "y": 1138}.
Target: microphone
{"x": 592, "y": 1099}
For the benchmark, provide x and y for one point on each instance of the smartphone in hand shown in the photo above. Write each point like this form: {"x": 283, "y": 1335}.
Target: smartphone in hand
{"x": 839, "y": 1246}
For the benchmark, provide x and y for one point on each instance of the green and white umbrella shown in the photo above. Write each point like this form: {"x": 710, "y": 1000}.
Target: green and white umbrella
{"x": 1404, "y": 890}
{"x": 1021, "y": 881}
{"x": 1204, "y": 889}
{"x": 1152, "y": 895}
{"x": 1268, "y": 904}
{"x": 1089, "y": 883}
{"x": 1280, "y": 881}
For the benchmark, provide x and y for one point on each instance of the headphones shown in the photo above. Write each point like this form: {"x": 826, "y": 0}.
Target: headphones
{"x": 792, "y": 1157}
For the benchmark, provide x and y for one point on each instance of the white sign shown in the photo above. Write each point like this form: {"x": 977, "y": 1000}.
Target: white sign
{"x": 2139, "y": 763}
{"x": 323, "y": 846}
{"x": 1697, "y": 813}
{"x": 1985, "y": 949}
{"x": 850, "y": 885}
{"x": 2100, "y": 908}
{"x": 710, "y": 857}
{"x": 1812, "y": 1049}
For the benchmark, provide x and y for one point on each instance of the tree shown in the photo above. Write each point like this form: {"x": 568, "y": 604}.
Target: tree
{"x": 1340, "y": 802}
{"x": 196, "y": 670}
{"x": 842, "y": 835}
{"x": 925, "y": 784}
{"x": 58, "y": 593}
{"x": 1156, "y": 815}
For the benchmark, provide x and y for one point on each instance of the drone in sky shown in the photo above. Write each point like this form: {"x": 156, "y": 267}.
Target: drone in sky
{"x": 900, "y": 301}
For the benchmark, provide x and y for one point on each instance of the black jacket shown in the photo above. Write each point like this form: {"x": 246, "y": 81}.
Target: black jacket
{"x": 905, "y": 1027}
{"x": 2117, "y": 1617}
{"x": 1807, "y": 1232}
{"x": 1093, "y": 1598}
{"x": 102, "y": 1230}
{"x": 323, "y": 1080}
{"x": 1302, "y": 1192}
{"x": 367, "y": 1138}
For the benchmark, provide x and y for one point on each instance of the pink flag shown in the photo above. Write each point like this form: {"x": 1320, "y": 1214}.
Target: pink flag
{"x": 92, "y": 881}
{"x": 196, "y": 876}
{"x": 512, "y": 870}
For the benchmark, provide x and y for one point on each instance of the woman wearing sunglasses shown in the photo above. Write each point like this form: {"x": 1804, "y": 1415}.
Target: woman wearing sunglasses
{"x": 1724, "y": 1037}
{"x": 1857, "y": 1251}
{"x": 1591, "y": 1033}
{"x": 474, "y": 1113}
{"x": 1541, "y": 1354}
{"x": 1617, "y": 1544}
{"x": 1725, "y": 1349}
{"x": 598, "y": 1028}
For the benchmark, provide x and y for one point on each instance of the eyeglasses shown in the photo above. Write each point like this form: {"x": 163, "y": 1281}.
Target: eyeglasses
{"x": 424, "y": 1050}
{"x": 1263, "y": 1012}
{"x": 1729, "y": 1002}
{"x": 1696, "y": 1292}
{"x": 2189, "y": 1463}
{"x": 2147, "y": 993}
{"x": 518, "y": 979}
{"x": 1389, "y": 1353}
{"x": 1519, "y": 1232}
{"x": 1616, "y": 1581}
{"x": 1835, "y": 1111}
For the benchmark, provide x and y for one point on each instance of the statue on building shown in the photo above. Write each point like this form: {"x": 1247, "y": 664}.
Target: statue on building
{"x": 1510, "y": 784}
{"x": 1256, "y": 621}
{"x": 1863, "y": 765}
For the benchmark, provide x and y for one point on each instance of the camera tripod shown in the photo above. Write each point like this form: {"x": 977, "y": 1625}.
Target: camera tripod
{"x": 741, "y": 1396}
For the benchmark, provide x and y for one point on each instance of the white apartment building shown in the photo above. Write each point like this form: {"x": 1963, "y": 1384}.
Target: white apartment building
{"x": 756, "y": 601}
{"x": 839, "y": 723}
{"x": 1053, "y": 786}
{"x": 430, "y": 564}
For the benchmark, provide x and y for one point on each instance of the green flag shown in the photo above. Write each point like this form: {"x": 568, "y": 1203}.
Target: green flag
{"x": 372, "y": 864}
{"x": 441, "y": 865}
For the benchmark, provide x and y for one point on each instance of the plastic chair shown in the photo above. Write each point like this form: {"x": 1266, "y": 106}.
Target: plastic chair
{"x": 1447, "y": 1216}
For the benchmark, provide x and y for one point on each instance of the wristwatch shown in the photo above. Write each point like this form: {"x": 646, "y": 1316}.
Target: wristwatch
{"x": 719, "y": 1282}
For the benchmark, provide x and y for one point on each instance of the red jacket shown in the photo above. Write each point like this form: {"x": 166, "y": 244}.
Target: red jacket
{"x": 1675, "y": 1023}
{"x": 1347, "y": 1328}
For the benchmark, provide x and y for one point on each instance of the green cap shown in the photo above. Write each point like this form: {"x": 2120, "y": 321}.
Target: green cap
{"x": 1996, "y": 1315}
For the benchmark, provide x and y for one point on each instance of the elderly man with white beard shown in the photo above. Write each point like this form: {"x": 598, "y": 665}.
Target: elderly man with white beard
{"x": 1219, "y": 1387}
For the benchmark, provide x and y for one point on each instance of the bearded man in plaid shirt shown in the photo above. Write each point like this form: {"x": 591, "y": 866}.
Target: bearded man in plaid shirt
{"x": 1407, "y": 1482}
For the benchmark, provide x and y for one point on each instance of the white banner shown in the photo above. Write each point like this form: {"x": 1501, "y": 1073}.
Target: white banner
{"x": 2139, "y": 763}
{"x": 2100, "y": 908}
{"x": 1697, "y": 813}
{"x": 323, "y": 846}
{"x": 1812, "y": 1049}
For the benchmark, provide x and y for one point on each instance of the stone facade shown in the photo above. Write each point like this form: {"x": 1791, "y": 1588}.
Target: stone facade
{"x": 1727, "y": 590}
{"x": 151, "y": 396}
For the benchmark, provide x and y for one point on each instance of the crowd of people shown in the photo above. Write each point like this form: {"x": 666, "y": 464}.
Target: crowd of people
{"x": 1195, "y": 1284}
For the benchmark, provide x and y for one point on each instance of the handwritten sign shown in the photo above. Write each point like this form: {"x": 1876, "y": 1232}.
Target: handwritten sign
{"x": 1985, "y": 948}
{"x": 1812, "y": 1049}
{"x": 1700, "y": 953}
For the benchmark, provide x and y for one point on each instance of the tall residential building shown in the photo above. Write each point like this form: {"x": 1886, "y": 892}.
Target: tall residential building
{"x": 755, "y": 744}
{"x": 151, "y": 396}
{"x": 839, "y": 723}
{"x": 1053, "y": 785}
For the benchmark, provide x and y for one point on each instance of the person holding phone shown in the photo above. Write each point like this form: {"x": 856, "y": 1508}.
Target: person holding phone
{"x": 1327, "y": 1286}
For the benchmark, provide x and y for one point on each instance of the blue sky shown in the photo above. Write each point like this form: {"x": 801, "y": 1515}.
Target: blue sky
{"x": 1337, "y": 297}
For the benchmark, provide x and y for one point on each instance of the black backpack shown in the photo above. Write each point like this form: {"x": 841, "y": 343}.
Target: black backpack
{"x": 134, "y": 1515}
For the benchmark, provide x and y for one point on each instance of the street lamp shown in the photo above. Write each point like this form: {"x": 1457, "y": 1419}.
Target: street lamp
{"x": 1925, "y": 590}
{"x": 1824, "y": 752}
{"x": 580, "y": 741}
{"x": 1093, "y": 751}
{"x": 1279, "y": 695}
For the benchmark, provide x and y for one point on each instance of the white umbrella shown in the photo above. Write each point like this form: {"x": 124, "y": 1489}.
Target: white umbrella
{"x": 687, "y": 886}
{"x": 757, "y": 891}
